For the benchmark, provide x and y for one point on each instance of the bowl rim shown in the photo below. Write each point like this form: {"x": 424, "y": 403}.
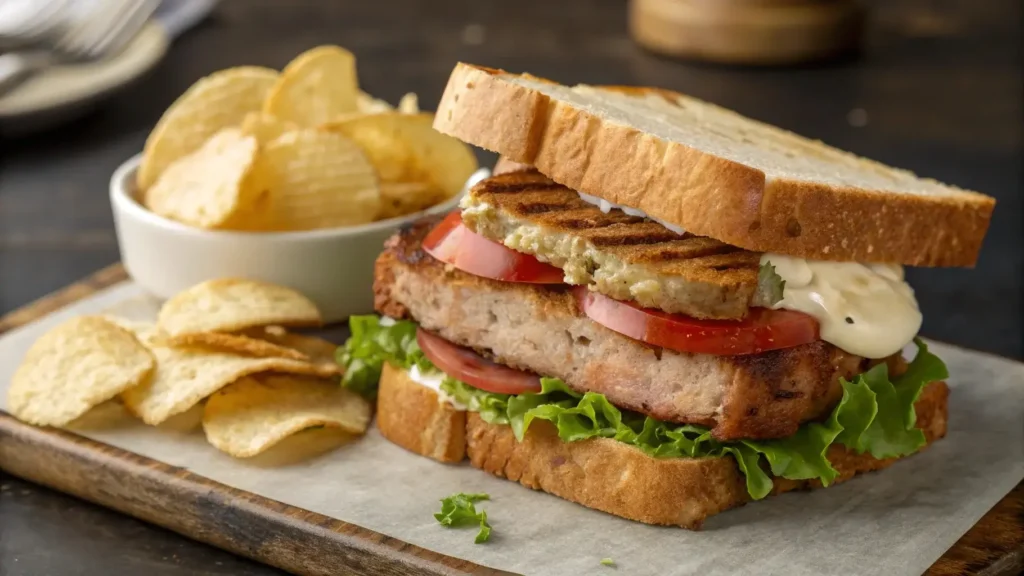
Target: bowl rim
{"x": 122, "y": 198}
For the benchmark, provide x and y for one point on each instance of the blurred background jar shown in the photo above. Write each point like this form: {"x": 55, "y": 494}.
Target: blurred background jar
{"x": 748, "y": 32}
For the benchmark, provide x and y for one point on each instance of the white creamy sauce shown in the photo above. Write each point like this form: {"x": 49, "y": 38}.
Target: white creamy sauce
{"x": 865, "y": 309}
{"x": 433, "y": 381}
{"x": 607, "y": 206}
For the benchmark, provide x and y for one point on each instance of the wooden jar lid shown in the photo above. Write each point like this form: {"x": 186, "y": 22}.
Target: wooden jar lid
{"x": 760, "y": 32}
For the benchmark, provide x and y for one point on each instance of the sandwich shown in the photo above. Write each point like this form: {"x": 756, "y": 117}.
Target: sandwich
{"x": 658, "y": 308}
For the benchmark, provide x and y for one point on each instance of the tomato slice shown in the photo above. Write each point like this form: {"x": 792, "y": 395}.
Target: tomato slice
{"x": 452, "y": 243}
{"x": 763, "y": 329}
{"x": 473, "y": 369}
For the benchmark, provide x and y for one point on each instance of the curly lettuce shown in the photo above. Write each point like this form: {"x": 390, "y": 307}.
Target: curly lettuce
{"x": 374, "y": 341}
{"x": 460, "y": 510}
{"x": 875, "y": 415}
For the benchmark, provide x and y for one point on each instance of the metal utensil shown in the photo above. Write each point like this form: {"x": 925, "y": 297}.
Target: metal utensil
{"x": 95, "y": 28}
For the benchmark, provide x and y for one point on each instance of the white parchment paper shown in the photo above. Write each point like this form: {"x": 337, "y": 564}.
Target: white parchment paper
{"x": 897, "y": 522}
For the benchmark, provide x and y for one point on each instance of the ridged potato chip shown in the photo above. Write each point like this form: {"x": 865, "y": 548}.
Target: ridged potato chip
{"x": 218, "y": 101}
{"x": 255, "y": 413}
{"x": 401, "y": 198}
{"x": 237, "y": 344}
{"x": 406, "y": 148}
{"x": 366, "y": 104}
{"x": 79, "y": 364}
{"x": 316, "y": 86}
{"x": 315, "y": 349}
{"x": 211, "y": 186}
{"x": 319, "y": 179}
{"x": 232, "y": 304}
{"x": 265, "y": 127}
{"x": 185, "y": 376}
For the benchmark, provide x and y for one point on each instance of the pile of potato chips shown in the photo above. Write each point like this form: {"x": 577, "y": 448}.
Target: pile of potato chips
{"x": 218, "y": 349}
{"x": 252, "y": 149}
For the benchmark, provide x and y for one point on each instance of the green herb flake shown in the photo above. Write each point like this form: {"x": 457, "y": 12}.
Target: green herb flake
{"x": 459, "y": 510}
{"x": 769, "y": 285}
{"x": 607, "y": 562}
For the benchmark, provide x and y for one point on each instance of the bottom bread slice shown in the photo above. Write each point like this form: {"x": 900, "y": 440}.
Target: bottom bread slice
{"x": 601, "y": 473}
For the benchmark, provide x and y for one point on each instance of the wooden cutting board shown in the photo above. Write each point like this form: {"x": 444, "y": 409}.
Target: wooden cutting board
{"x": 304, "y": 542}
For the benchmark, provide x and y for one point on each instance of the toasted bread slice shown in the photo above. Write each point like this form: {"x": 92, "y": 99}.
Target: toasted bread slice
{"x": 540, "y": 328}
{"x": 671, "y": 491}
{"x": 714, "y": 172}
{"x": 625, "y": 257}
{"x": 414, "y": 417}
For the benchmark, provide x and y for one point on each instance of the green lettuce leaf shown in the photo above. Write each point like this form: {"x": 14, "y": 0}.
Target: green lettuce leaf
{"x": 493, "y": 408}
{"x": 373, "y": 343}
{"x": 459, "y": 510}
{"x": 875, "y": 415}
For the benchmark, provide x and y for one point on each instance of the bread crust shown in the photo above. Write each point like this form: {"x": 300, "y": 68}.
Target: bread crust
{"x": 605, "y": 474}
{"x": 412, "y": 416}
{"x": 706, "y": 194}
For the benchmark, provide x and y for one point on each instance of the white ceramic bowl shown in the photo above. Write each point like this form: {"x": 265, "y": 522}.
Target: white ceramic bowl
{"x": 333, "y": 267}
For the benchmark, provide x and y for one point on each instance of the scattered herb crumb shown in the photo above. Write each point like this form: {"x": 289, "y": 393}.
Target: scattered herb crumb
{"x": 607, "y": 562}
{"x": 459, "y": 510}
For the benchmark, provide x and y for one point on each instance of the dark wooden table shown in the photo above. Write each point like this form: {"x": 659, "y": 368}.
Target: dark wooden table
{"x": 937, "y": 90}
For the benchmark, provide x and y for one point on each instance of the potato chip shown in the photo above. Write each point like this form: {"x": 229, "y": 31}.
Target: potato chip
{"x": 409, "y": 104}
{"x": 265, "y": 127}
{"x": 366, "y": 104}
{"x": 253, "y": 414}
{"x": 146, "y": 332}
{"x": 237, "y": 344}
{"x": 319, "y": 180}
{"x": 210, "y": 186}
{"x": 406, "y": 148}
{"x": 75, "y": 366}
{"x": 316, "y": 350}
{"x": 401, "y": 198}
{"x": 232, "y": 304}
{"x": 219, "y": 101}
{"x": 316, "y": 86}
{"x": 185, "y": 376}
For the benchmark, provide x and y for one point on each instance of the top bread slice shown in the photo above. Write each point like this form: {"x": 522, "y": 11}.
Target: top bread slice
{"x": 714, "y": 172}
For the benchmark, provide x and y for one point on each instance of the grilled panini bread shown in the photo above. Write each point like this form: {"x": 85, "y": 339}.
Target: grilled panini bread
{"x": 671, "y": 491}
{"x": 540, "y": 328}
{"x": 625, "y": 257}
{"x": 714, "y": 172}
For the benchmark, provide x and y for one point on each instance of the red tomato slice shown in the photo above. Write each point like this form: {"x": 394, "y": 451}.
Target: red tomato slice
{"x": 763, "y": 329}
{"x": 473, "y": 369}
{"x": 452, "y": 243}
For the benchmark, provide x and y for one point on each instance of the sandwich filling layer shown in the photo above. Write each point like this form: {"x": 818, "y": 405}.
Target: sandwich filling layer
{"x": 875, "y": 414}
{"x": 541, "y": 329}
{"x": 865, "y": 309}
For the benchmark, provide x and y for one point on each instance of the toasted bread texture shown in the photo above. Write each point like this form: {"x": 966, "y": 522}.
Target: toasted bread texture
{"x": 714, "y": 172}
{"x": 413, "y": 416}
{"x": 540, "y": 328}
{"x": 611, "y": 476}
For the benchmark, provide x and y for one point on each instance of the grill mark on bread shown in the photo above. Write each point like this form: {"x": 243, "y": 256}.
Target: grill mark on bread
{"x": 516, "y": 187}
{"x": 699, "y": 276}
{"x": 541, "y": 207}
